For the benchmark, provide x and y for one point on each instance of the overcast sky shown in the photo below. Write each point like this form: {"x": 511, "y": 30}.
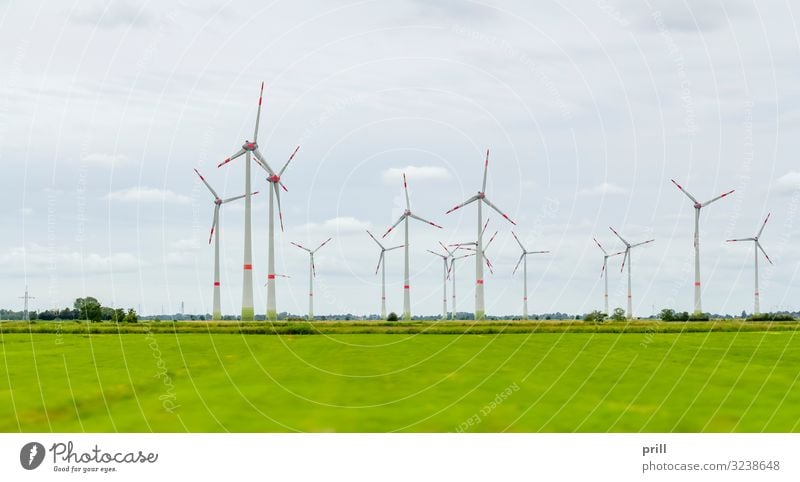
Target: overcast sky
{"x": 588, "y": 107}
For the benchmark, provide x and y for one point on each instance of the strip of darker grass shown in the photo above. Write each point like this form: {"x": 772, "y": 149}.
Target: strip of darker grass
{"x": 401, "y": 328}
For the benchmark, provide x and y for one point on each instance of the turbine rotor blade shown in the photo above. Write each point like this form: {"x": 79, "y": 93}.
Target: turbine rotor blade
{"x": 402, "y": 217}
{"x": 490, "y": 241}
{"x": 395, "y": 247}
{"x": 300, "y": 246}
{"x": 321, "y": 245}
{"x": 762, "y": 226}
{"x": 260, "y": 158}
{"x": 445, "y": 249}
{"x": 380, "y": 260}
{"x": 214, "y": 222}
{"x": 485, "y": 170}
{"x": 643, "y": 242}
{"x": 287, "y": 162}
{"x": 278, "y": 199}
{"x": 717, "y": 198}
{"x": 472, "y": 199}
{"x": 620, "y": 237}
{"x": 684, "y": 191}
{"x": 405, "y": 188}
{"x": 765, "y": 253}
{"x": 437, "y": 254}
{"x": 518, "y": 262}
{"x": 236, "y": 198}
{"x": 600, "y": 246}
{"x": 489, "y": 203}
{"x": 740, "y": 239}
{"x": 624, "y": 259}
{"x": 518, "y": 241}
{"x": 258, "y": 115}
{"x": 238, "y": 153}
{"x": 373, "y": 238}
{"x": 424, "y": 220}
{"x": 216, "y": 196}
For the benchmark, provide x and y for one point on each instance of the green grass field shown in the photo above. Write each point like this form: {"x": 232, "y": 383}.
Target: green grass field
{"x": 562, "y": 382}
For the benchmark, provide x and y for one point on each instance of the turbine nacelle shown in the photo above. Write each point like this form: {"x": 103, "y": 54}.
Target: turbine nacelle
{"x": 249, "y": 146}
{"x": 697, "y": 205}
{"x": 274, "y": 178}
{"x": 481, "y": 195}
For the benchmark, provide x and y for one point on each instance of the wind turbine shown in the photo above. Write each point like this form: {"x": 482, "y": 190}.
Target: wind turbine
{"x": 451, "y": 272}
{"x": 248, "y": 148}
{"x": 312, "y": 272}
{"x": 404, "y": 217}
{"x": 274, "y": 195}
{"x": 605, "y": 269}
{"x": 756, "y": 247}
{"x": 382, "y": 267}
{"x": 523, "y": 258}
{"x": 480, "y": 313}
{"x": 697, "y": 207}
{"x": 484, "y": 248}
{"x": 216, "y": 312}
{"x": 627, "y": 258}
{"x": 445, "y": 258}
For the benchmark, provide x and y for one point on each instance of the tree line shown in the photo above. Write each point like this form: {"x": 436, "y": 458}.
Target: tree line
{"x": 83, "y": 309}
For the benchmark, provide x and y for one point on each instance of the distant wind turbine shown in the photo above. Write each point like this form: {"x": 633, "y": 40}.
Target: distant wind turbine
{"x": 756, "y": 247}
{"x": 604, "y": 271}
{"x": 523, "y": 258}
{"x": 312, "y": 272}
{"x": 382, "y": 267}
{"x": 627, "y": 258}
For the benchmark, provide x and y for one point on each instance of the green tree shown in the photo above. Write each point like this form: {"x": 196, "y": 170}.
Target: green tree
{"x": 667, "y": 314}
{"x": 119, "y": 315}
{"x": 392, "y": 317}
{"x": 618, "y": 315}
{"x": 595, "y": 317}
{"x": 88, "y": 308}
{"x": 131, "y": 317}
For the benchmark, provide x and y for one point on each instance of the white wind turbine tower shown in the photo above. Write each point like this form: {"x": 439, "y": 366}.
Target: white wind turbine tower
{"x": 605, "y": 269}
{"x": 627, "y": 258}
{"x": 312, "y": 272}
{"x": 404, "y": 217}
{"x": 484, "y": 248}
{"x": 445, "y": 258}
{"x": 382, "y": 267}
{"x": 216, "y": 312}
{"x": 274, "y": 195}
{"x": 697, "y": 207}
{"x": 523, "y": 258}
{"x": 756, "y": 247}
{"x": 480, "y": 312}
{"x": 248, "y": 148}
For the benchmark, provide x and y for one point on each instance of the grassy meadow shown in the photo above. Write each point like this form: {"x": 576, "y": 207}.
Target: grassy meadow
{"x": 651, "y": 377}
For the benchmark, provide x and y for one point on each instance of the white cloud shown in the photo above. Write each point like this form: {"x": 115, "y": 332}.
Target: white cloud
{"x": 144, "y": 194}
{"x": 99, "y": 158}
{"x": 416, "y": 173}
{"x": 789, "y": 182}
{"x": 40, "y": 259}
{"x": 114, "y": 14}
{"x": 603, "y": 189}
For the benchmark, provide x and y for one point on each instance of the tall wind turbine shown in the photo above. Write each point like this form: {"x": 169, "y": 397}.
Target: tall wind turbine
{"x": 451, "y": 274}
{"x": 216, "y": 313}
{"x": 248, "y": 148}
{"x": 627, "y": 258}
{"x": 756, "y": 247}
{"x": 697, "y": 207}
{"x": 312, "y": 272}
{"x": 480, "y": 312}
{"x": 445, "y": 258}
{"x": 523, "y": 258}
{"x": 274, "y": 195}
{"x": 404, "y": 217}
{"x": 604, "y": 271}
{"x": 382, "y": 267}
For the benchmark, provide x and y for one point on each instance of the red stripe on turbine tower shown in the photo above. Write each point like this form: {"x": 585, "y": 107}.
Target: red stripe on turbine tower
{"x": 480, "y": 281}
{"x": 697, "y": 283}
{"x": 270, "y": 276}
{"x": 248, "y": 266}
{"x": 216, "y": 283}
{"x": 405, "y": 287}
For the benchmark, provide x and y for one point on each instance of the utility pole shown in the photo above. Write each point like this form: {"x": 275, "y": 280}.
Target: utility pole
{"x": 25, "y": 314}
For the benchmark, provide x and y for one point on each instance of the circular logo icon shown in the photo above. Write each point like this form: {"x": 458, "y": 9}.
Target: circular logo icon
{"x": 31, "y": 455}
